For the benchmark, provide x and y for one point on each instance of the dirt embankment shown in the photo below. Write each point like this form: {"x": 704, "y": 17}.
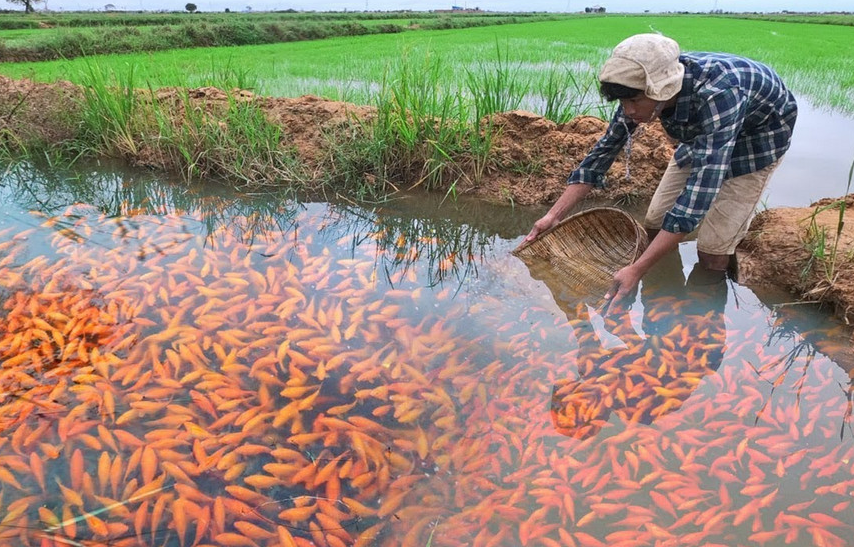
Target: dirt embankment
{"x": 805, "y": 250}
{"x": 530, "y": 160}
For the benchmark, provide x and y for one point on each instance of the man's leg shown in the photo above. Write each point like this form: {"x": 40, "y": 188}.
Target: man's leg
{"x": 727, "y": 221}
{"x": 672, "y": 184}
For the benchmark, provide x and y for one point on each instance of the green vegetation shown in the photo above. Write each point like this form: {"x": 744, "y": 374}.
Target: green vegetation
{"x": 136, "y": 19}
{"x": 845, "y": 19}
{"x": 824, "y": 251}
{"x": 816, "y": 60}
{"x": 66, "y": 41}
{"x": 237, "y": 144}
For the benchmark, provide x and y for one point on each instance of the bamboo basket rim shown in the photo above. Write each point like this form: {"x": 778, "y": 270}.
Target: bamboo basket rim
{"x": 574, "y": 218}
{"x": 585, "y": 250}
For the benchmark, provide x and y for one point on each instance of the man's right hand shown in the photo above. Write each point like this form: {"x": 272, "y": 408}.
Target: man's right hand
{"x": 541, "y": 226}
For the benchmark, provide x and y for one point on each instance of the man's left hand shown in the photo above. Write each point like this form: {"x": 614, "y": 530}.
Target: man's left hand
{"x": 625, "y": 282}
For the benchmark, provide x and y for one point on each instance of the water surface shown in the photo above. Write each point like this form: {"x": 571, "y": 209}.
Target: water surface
{"x": 182, "y": 368}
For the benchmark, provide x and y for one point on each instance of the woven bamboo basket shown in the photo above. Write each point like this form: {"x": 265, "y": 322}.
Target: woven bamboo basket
{"x": 587, "y": 249}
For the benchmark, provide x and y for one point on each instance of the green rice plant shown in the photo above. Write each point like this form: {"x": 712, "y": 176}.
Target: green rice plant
{"x": 108, "y": 111}
{"x": 841, "y": 204}
{"x": 354, "y": 162}
{"x": 103, "y": 37}
{"x": 227, "y": 75}
{"x": 480, "y": 142}
{"x": 422, "y": 134}
{"x": 496, "y": 86}
{"x": 236, "y": 143}
{"x": 816, "y": 243}
{"x": 233, "y": 141}
{"x": 822, "y": 254}
{"x": 421, "y": 120}
{"x": 566, "y": 95}
{"x": 816, "y": 61}
{"x": 11, "y": 144}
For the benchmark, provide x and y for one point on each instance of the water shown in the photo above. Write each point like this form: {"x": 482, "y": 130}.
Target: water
{"x": 183, "y": 368}
{"x": 819, "y": 161}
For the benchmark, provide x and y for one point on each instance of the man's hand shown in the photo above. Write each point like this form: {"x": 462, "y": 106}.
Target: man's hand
{"x": 625, "y": 282}
{"x": 541, "y": 226}
{"x": 573, "y": 194}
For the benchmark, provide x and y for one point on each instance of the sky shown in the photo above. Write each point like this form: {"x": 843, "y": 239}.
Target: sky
{"x": 427, "y": 5}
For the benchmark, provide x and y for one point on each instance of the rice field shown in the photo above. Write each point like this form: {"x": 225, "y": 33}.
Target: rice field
{"x": 816, "y": 60}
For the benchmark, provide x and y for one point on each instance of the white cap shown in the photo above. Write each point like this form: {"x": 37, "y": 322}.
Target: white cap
{"x": 649, "y": 62}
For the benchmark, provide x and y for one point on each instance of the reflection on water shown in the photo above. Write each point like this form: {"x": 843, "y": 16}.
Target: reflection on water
{"x": 817, "y": 164}
{"x": 206, "y": 372}
{"x": 651, "y": 374}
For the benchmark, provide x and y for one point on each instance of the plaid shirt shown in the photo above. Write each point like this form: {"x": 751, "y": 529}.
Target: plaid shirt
{"x": 732, "y": 117}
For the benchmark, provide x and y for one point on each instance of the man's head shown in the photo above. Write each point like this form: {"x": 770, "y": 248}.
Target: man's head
{"x": 643, "y": 72}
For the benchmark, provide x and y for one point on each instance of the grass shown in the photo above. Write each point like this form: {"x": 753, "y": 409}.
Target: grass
{"x": 421, "y": 133}
{"x": 824, "y": 249}
{"x": 108, "y": 118}
{"x": 237, "y": 144}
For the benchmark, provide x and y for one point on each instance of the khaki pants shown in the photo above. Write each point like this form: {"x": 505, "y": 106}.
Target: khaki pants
{"x": 727, "y": 221}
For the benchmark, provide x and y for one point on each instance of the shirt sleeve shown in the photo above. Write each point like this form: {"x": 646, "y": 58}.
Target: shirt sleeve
{"x": 711, "y": 151}
{"x": 597, "y": 162}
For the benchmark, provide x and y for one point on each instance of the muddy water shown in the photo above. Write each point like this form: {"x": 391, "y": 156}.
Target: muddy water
{"x": 182, "y": 369}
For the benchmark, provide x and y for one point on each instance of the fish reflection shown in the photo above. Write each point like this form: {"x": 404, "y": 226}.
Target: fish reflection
{"x": 651, "y": 374}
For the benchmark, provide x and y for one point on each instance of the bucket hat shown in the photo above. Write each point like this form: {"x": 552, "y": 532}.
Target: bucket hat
{"x": 649, "y": 62}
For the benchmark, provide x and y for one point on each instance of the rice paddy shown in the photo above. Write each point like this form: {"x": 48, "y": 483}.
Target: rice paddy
{"x": 815, "y": 59}
{"x": 182, "y": 370}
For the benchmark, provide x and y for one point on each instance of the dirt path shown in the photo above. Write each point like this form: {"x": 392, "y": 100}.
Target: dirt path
{"x": 531, "y": 158}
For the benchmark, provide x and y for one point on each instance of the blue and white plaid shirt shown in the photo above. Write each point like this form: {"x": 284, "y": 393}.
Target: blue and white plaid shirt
{"x": 732, "y": 117}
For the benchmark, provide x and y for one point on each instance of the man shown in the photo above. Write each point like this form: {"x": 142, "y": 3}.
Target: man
{"x": 733, "y": 118}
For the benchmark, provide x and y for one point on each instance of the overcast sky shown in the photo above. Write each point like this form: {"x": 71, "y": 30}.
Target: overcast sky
{"x": 425, "y": 5}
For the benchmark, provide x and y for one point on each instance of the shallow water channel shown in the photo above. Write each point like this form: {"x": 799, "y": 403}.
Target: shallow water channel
{"x": 187, "y": 369}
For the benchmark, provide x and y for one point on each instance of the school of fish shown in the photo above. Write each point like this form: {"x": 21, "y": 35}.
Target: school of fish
{"x": 161, "y": 387}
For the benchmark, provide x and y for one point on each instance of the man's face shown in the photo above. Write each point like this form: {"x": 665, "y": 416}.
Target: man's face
{"x": 640, "y": 108}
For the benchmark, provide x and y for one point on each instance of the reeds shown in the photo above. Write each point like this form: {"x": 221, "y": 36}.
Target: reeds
{"x": 825, "y": 254}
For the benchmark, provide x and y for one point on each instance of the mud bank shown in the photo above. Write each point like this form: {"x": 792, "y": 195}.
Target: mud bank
{"x": 529, "y": 162}
{"x": 804, "y": 250}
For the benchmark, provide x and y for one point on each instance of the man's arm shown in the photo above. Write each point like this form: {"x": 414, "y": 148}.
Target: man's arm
{"x": 589, "y": 174}
{"x": 627, "y": 279}
{"x": 570, "y": 197}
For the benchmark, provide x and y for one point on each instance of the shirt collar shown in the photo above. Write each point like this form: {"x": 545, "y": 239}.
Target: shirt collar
{"x": 683, "y": 102}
